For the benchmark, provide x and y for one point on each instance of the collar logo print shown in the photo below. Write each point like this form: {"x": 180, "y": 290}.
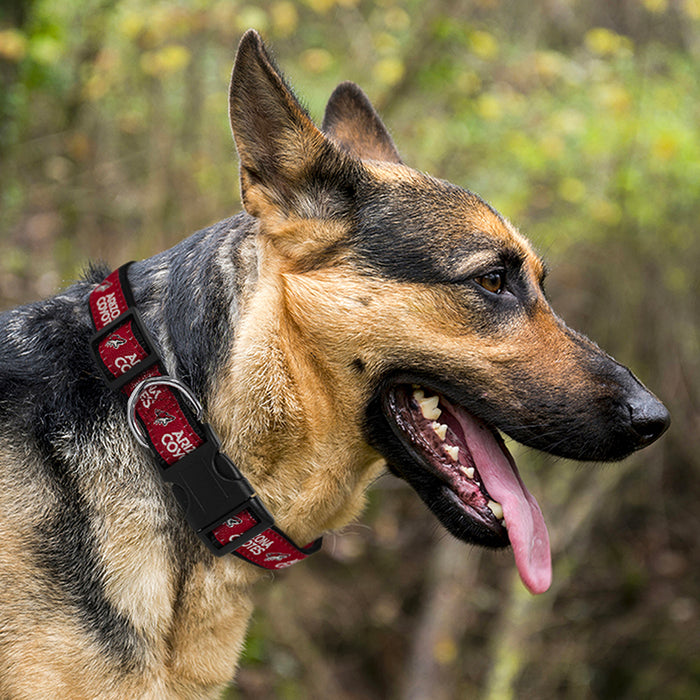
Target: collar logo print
{"x": 276, "y": 556}
{"x": 163, "y": 418}
{"x": 103, "y": 287}
{"x": 115, "y": 341}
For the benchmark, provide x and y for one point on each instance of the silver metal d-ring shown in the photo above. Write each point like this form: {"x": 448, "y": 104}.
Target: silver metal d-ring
{"x": 145, "y": 384}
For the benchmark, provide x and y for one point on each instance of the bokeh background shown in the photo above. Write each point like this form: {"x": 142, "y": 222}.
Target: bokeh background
{"x": 578, "y": 120}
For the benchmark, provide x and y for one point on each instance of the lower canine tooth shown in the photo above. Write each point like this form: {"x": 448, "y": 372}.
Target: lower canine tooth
{"x": 453, "y": 451}
{"x": 496, "y": 509}
{"x": 429, "y": 407}
{"x": 440, "y": 429}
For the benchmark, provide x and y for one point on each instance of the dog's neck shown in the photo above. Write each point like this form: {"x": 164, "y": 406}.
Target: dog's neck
{"x": 273, "y": 406}
{"x": 224, "y": 317}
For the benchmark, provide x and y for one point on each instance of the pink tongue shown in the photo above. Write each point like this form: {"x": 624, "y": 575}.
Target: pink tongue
{"x": 526, "y": 528}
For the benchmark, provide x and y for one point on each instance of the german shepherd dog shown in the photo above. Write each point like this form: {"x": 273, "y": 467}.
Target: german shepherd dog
{"x": 358, "y": 313}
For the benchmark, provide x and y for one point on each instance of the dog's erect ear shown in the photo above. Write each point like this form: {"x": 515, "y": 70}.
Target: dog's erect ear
{"x": 279, "y": 147}
{"x": 352, "y": 122}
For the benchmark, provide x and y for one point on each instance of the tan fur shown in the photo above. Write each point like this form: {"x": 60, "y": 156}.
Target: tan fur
{"x": 33, "y": 631}
{"x": 312, "y": 418}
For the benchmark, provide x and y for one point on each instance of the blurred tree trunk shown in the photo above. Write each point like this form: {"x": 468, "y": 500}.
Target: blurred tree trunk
{"x": 430, "y": 672}
{"x": 195, "y": 78}
{"x": 521, "y": 617}
{"x": 160, "y": 145}
{"x": 13, "y": 13}
{"x": 580, "y": 496}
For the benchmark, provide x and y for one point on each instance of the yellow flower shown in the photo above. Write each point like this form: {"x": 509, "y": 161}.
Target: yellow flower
{"x": 13, "y": 45}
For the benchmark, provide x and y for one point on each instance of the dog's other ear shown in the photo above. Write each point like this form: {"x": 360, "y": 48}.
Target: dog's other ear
{"x": 353, "y": 123}
{"x": 279, "y": 147}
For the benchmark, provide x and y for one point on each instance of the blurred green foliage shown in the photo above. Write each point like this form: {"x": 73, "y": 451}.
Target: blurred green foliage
{"x": 577, "y": 119}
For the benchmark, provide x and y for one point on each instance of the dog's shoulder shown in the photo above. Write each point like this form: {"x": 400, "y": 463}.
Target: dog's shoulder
{"x": 44, "y": 358}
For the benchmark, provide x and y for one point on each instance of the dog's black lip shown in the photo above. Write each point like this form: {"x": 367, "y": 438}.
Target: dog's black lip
{"x": 450, "y": 389}
{"x": 434, "y": 490}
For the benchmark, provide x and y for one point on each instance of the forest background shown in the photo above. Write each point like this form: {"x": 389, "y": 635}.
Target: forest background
{"x": 578, "y": 120}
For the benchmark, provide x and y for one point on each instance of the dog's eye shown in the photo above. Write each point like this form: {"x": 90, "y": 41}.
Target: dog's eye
{"x": 494, "y": 282}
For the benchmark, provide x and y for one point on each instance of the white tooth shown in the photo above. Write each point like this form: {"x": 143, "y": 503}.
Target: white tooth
{"x": 429, "y": 407}
{"x": 469, "y": 471}
{"x": 440, "y": 429}
{"x": 496, "y": 509}
{"x": 453, "y": 451}
{"x": 418, "y": 393}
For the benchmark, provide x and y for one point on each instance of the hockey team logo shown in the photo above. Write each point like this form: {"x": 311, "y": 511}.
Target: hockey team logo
{"x": 276, "y": 556}
{"x": 163, "y": 418}
{"x": 233, "y": 523}
{"x": 103, "y": 287}
{"x": 285, "y": 564}
{"x": 115, "y": 341}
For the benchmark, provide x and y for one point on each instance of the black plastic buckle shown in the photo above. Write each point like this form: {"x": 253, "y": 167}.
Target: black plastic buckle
{"x": 206, "y": 482}
{"x": 145, "y": 340}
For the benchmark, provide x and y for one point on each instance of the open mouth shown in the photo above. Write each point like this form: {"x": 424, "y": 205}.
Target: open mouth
{"x": 461, "y": 468}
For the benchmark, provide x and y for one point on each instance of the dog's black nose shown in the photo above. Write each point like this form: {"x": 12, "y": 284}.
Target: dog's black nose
{"x": 649, "y": 417}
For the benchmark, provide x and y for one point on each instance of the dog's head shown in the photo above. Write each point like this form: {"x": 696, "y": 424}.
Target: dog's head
{"x": 423, "y": 311}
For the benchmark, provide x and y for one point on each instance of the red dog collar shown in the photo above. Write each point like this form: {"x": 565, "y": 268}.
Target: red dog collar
{"x": 219, "y": 502}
